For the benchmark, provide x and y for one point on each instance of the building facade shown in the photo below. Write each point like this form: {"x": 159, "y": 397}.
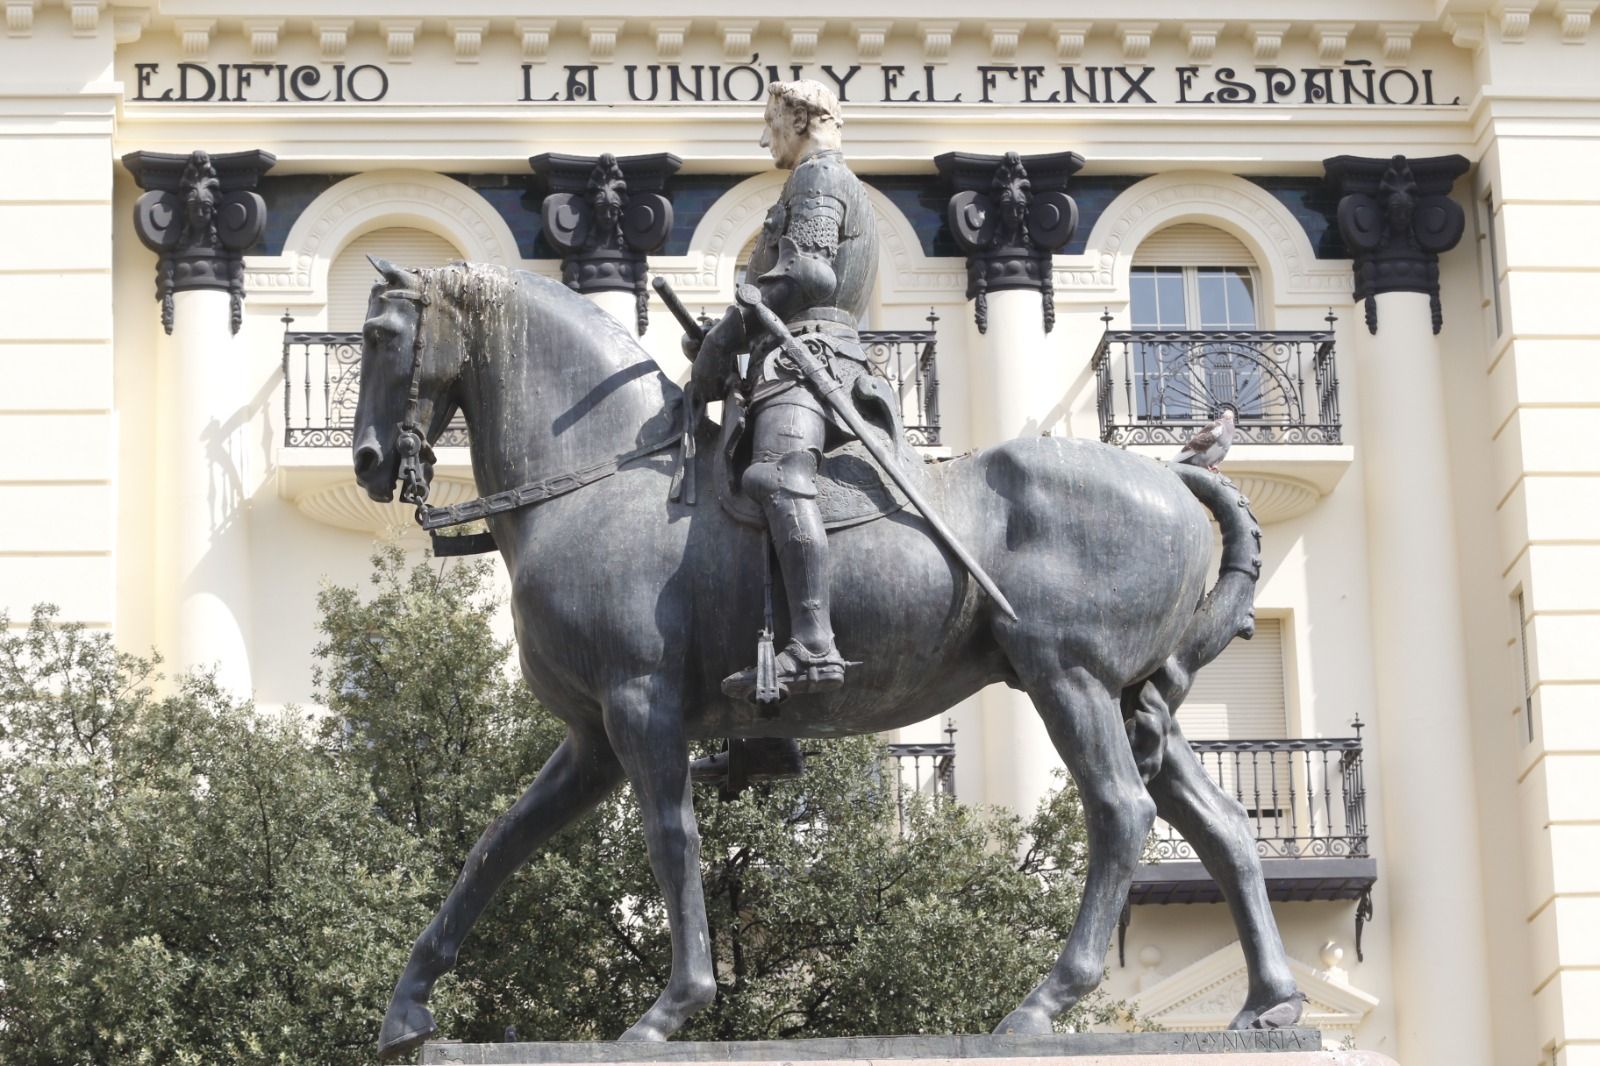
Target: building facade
{"x": 1371, "y": 229}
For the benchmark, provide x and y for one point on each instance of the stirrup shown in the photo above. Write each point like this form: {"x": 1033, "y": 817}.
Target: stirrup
{"x": 800, "y": 670}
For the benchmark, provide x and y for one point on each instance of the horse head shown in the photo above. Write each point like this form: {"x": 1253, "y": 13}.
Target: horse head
{"x": 410, "y": 366}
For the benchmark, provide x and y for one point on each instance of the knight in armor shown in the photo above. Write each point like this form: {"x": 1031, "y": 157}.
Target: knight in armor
{"x": 814, "y": 264}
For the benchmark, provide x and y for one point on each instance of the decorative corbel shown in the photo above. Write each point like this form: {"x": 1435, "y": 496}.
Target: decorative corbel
{"x": 605, "y": 215}
{"x": 1396, "y": 216}
{"x": 1010, "y": 214}
{"x": 199, "y": 214}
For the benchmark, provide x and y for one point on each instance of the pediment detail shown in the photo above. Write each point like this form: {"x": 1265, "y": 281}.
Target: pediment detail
{"x": 1207, "y": 993}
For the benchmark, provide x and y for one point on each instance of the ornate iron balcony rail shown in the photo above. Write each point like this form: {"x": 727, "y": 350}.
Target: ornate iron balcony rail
{"x": 908, "y": 360}
{"x": 920, "y": 770}
{"x": 321, "y": 381}
{"x": 1158, "y": 387}
{"x": 1306, "y": 799}
{"x": 322, "y": 374}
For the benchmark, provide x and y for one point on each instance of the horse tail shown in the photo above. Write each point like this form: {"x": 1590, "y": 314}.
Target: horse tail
{"x": 1226, "y": 611}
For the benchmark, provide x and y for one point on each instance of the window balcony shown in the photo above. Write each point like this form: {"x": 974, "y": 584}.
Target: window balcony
{"x": 1307, "y": 804}
{"x": 321, "y": 382}
{"x": 1155, "y": 388}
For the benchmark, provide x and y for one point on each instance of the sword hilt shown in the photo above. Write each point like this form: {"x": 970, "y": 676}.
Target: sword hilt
{"x": 691, "y": 326}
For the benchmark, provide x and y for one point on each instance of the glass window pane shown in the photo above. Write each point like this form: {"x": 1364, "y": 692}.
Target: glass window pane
{"x": 1143, "y": 309}
{"x": 1213, "y": 300}
{"x": 1170, "y": 298}
{"x": 1241, "y": 301}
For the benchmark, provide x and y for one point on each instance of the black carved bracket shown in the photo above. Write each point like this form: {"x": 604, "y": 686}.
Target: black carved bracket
{"x": 605, "y": 215}
{"x": 199, "y": 214}
{"x": 1010, "y": 214}
{"x": 1396, "y": 216}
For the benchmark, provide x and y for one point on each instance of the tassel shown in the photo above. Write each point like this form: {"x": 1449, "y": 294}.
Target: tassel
{"x": 767, "y": 693}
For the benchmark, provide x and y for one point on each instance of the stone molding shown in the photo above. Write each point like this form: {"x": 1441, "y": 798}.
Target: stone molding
{"x": 605, "y": 214}
{"x": 1010, "y": 214}
{"x": 198, "y": 214}
{"x": 1396, "y": 215}
{"x": 1288, "y": 264}
{"x": 369, "y": 201}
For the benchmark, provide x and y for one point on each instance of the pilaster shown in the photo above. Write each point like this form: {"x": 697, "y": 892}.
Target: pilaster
{"x": 605, "y": 214}
{"x": 198, "y": 214}
{"x": 1396, "y": 215}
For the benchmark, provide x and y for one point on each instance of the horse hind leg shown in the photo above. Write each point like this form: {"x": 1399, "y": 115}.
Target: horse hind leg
{"x": 649, "y": 740}
{"x": 580, "y": 773}
{"x": 1215, "y": 825}
{"x": 1085, "y": 724}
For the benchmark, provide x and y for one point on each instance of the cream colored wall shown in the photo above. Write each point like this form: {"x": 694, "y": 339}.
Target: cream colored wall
{"x": 1539, "y": 396}
{"x": 58, "y": 491}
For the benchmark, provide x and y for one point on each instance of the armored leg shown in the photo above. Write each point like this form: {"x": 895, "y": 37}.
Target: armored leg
{"x": 787, "y": 448}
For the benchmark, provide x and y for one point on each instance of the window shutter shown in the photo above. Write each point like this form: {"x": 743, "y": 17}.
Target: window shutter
{"x": 1240, "y": 695}
{"x": 1192, "y": 244}
{"x": 350, "y": 277}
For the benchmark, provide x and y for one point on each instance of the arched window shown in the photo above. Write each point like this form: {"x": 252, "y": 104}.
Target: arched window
{"x": 350, "y": 276}
{"x": 1192, "y": 278}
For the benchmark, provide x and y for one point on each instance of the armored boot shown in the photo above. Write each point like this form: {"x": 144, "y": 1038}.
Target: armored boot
{"x": 810, "y": 662}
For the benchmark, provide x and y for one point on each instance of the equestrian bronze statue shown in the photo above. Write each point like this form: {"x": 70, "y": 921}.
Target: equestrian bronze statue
{"x": 633, "y": 604}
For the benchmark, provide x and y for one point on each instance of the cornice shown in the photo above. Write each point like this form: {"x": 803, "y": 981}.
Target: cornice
{"x": 1328, "y": 28}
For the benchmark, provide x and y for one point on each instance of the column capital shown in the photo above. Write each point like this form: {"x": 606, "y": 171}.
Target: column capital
{"x": 199, "y": 214}
{"x": 605, "y": 214}
{"x": 1010, "y": 213}
{"x": 1396, "y": 216}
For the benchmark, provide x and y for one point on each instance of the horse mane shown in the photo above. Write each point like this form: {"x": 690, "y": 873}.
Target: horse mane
{"x": 472, "y": 289}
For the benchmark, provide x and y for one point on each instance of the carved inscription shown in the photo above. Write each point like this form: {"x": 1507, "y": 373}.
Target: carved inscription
{"x": 1356, "y": 82}
{"x": 1237, "y": 1040}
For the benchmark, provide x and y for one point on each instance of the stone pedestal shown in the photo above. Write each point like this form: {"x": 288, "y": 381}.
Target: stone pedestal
{"x": 1276, "y": 1047}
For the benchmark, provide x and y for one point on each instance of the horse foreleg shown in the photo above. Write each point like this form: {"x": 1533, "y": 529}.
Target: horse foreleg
{"x": 582, "y": 771}
{"x": 648, "y": 737}
{"x": 1086, "y": 727}
{"x": 1215, "y": 824}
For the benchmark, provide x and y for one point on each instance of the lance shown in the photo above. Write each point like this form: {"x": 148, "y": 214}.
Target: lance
{"x": 749, "y": 297}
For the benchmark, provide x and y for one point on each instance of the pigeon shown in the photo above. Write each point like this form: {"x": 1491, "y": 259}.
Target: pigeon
{"x": 1207, "y": 447}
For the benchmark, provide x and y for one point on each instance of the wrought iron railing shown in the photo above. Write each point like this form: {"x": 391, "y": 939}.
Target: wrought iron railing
{"x": 1159, "y": 387}
{"x": 908, "y": 360}
{"x": 321, "y": 381}
{"x": 322, "y": 375}
{"x": 1305, "y": 799}
{"x": 927, "y": 770}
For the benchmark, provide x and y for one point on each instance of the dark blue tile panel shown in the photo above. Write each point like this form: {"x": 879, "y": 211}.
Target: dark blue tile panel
{"x": 1309, "y": 200}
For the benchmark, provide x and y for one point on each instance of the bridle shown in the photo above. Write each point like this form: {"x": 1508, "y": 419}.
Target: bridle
{"x": 411, "y": 440}
{"x": 416, "y": 455}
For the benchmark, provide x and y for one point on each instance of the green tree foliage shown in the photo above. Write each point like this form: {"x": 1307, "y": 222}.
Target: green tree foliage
{"x": 187, "y": 880}
{"x": 182, "y": 880}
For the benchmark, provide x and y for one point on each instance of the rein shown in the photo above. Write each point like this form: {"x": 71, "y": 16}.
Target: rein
{"x": 416, "y": 454}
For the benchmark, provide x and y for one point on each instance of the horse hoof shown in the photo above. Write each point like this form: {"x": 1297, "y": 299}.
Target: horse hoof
{"x": 643, "y": 1032}
{"x": 405, "y": 1028}
{"x": 1279, "y": 1015}
{"x": 1025, "y": 1021}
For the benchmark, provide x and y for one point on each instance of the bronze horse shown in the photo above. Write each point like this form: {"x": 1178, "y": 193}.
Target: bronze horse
{"x": 630, "y": 609}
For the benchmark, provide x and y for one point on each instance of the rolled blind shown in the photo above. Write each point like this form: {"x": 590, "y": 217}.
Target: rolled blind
{"x": 1192, "y": 244}
{"x": 350, "y": 277}
{"x": 1239, "y": 696}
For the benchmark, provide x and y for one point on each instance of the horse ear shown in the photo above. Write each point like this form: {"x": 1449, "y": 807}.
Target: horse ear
{"x": 394, "y": 275}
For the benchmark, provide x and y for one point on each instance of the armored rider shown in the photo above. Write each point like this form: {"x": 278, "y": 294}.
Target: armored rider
{"x": 814, "y": 264}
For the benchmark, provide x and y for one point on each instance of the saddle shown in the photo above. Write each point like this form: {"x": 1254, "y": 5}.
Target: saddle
{"x": 851, "y": 487}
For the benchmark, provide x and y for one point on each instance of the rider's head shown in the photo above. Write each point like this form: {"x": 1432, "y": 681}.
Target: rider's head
{"x": 802, "y": 117}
